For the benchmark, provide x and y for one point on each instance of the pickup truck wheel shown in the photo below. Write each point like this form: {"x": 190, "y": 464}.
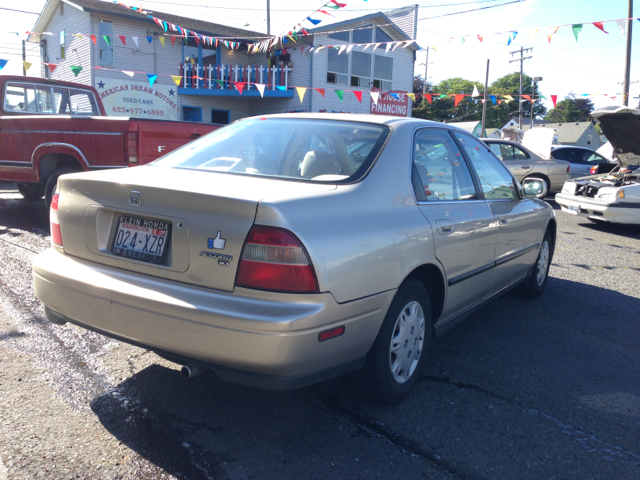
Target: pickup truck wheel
{"x": 540, "y": 270}
{"x": 394, "y": 363}
{"x": 50, "y": 187}
{"x": 31, "y": 191}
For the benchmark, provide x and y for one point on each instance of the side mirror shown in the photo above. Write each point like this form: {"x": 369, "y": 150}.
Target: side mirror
{"x": 534, "y": 188}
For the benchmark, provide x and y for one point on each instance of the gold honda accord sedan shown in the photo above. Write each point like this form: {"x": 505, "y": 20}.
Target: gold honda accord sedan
{"x": 284, "y": 250}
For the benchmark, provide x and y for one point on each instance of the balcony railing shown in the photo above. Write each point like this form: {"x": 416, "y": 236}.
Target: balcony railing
{"x": 198, "y": 77}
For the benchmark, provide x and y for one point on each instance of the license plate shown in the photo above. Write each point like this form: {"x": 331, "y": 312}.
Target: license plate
{"x": 141, "y": 239}
{"x": 574, "y": 210}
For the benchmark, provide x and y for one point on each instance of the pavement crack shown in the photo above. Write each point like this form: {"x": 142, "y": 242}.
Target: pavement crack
{"x": 589, "y": 442}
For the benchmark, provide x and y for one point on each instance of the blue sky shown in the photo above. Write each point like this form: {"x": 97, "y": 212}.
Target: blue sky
{"x": 593, "y": 64}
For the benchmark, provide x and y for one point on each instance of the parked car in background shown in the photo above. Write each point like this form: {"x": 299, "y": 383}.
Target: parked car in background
{"x": 49, "y": 128}
{"x": 582, "y": 160}
{"x": 524, "y": 163}
{"x": 614, "y": 196}
{"x": 335, "y": 243}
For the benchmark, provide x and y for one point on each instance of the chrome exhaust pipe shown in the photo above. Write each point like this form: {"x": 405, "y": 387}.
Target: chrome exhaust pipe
{"x": 192, "y": 370}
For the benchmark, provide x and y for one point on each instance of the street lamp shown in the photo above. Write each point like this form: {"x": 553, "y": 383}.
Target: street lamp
{"x": 533, "y": 92}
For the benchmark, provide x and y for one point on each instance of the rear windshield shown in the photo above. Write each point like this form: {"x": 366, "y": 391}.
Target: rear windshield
{"x": 312, "y": 150}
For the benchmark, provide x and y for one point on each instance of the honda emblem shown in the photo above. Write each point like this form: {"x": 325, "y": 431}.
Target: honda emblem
{"x": 135, "y": 198}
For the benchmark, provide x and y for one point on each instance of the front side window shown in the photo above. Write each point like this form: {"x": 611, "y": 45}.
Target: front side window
{"x": 495, "y": 180}
{"x": 82, "y": 103}
{"x": 337, "y": 67}
{"x": 105, "y": 42}
{"x": 592, "y": 157}
{"x": 19, "y": 98}
{"x": 293, "y": 149}
{"x": 519, "y": 154}
{"x": 43, "y": 100}
{"x": 443, "y": 173}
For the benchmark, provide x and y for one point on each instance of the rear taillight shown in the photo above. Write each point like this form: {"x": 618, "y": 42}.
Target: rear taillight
{"x": 56, "y": 236}
{"x": 568, "y": 168}
{"x": 131, "y": 147}
{"x": 274, "y": 259}
{"x": 594, "y": 170}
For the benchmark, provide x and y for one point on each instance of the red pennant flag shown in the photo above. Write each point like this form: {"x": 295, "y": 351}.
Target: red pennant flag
{"x": 527, "y": 97}
{"x": 480, "y": 37}
{"x": 197, "y": 41}
{"x": 320, "y": 91}
{"x": 239, "y": 86}
{"x": 358, "y": 95}
{"x": 52, "y": 66}
{"x": 554, "y": 99}
{"x": 93, "y": 39}
{"x": 173, "y": 40}
{"x": 301, "y": 50}
{"x": 600, "y": 25}
{"x": 428, "y": 97}
{"x": 457, "y": 100}
{"x": 123, "y": 39}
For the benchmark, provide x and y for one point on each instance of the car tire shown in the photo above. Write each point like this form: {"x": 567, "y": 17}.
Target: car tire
{"x": 546, "y": 183}
{"x": 50, "y": 186}
{"x": 388, "y": 377}
{"x": 540, "y": 270}
{"x": 31, "y": 191}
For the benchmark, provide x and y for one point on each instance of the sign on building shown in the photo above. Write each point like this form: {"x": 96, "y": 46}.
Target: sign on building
{"x": 126, "y": 98}
{"x": 395, "y": 104}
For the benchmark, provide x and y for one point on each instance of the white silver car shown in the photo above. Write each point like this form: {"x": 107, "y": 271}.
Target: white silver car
{"x": 335, "y": 243}
{"x": 614, "y": 196}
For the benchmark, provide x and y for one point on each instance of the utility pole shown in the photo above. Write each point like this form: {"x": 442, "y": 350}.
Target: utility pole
{"x": 627, "y": 64}
{"x": 521, "y": 60}
{"x": 268, "y": 17}
{"x": 24, "y": 58}
{"x": 484, "y": 103}
{"x": 533, "y": 95}
{"x": 426, "y": 64}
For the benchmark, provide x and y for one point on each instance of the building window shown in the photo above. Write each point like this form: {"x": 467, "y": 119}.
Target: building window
{"x": 344, "y": 36}
{"x": 381, "y": 36}
{"x": 360, "y": 69}
{"x": 105, "y": 29}
{"x": 61, "y": 8}
{"x": 382, "y": 72}
{"x": 62, "y": 45}
{"x": 589, "y": 138}
{"x": 337, "y": 67}
{"x": 555, "y": 139}
{"x": 363, "y": 35}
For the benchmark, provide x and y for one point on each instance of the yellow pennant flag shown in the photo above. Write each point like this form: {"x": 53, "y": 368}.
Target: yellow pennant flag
{"x": 176, "y": 78}
{"x": 508, "y": 97}
{"x": 162, "y": 41}
{"x": 412, "y": 96}
{"x": 26, "y": 66}
{"x": 301, "y": 91}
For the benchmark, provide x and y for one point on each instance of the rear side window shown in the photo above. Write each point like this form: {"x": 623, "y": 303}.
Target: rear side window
{"x": 443, "y": 173}
{"x": 296, "y": 149}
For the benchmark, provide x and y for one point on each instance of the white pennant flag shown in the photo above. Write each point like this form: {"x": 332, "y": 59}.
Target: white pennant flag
{"x": 126, "y": 72}
{"x": 622, "y": 25}
{"x": 396, "y": 46}
{"x": 374, "y": 97}
{"x": 311, "y": 49}
{"x": 341, "y": 49}
{"x": 475, "y": 92}
{"x": 319, "y": 48}
{"x": 366, "y": 46}
{"x": 408, "y": 42}
{"x": 135, "y": 40}
{"x": 260, "y": 87}
{"x": 388, "y": 47}
{"x": 375, "y": 45}
{"x": 350, "y": 47}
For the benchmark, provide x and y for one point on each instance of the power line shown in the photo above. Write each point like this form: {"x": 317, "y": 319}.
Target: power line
{"x": 19, "y": 11}
{"x": 472, "y": 10}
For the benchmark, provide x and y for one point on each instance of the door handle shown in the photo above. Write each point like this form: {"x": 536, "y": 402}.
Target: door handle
{"x": 526, "y": 167}
{"x": 446, "y": 226}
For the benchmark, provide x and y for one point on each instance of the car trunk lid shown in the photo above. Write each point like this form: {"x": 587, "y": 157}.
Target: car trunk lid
{"x": 206, "y": 216}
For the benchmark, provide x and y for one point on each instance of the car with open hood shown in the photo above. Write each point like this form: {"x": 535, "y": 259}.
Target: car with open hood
{"x": 614, "y": 196}
{"x": 283, "y": 250}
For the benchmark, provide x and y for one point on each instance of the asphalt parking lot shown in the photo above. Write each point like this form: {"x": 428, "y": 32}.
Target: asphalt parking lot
{"x": 546, "y": 388}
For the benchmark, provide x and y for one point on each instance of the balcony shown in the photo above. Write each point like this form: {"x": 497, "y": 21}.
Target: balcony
{"x": 216, "y": 80}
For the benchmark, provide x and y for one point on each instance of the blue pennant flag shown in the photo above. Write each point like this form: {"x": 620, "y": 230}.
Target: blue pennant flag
{"x": 394, "y": 95}
{"x": 315, "y": 22}
{"x": 152, "y": 78}
{"x": 149, "y": 39}
{"x": 3, "y": 63}
{"x": 281, "y": 88}
{"x": 512, "y": 37}
{"x": 493, "y": 98}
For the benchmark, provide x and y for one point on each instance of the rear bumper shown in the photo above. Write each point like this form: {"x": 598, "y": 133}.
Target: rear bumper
{"x": 608, "y": 212}
{"x": 255, "y": 338}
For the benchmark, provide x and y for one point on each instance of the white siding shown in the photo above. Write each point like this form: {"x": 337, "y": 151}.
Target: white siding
{"x": 406, "y": 19}
{"x": 76, "y": 49}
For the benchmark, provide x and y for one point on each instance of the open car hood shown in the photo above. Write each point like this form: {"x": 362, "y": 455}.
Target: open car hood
{"x": 621, "y": 126}
{"x": 539, "y": 140}
{"x": 606, "y": 151}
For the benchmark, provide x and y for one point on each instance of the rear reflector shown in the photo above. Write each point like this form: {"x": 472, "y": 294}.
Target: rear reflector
{"x": 56, "y": 235}
{"x": 329, "y": 334}
{"x": 274, "y": 259}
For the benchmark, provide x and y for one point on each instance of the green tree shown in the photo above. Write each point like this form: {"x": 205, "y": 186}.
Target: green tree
{"x": 510, "y": 85}
{"x": 571, "y": 110}
{"x": 418, "y": 84}
{"x": 444, "y": 109}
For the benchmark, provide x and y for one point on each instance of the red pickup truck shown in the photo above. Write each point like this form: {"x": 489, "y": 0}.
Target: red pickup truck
{"x": 48, "y": 128}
